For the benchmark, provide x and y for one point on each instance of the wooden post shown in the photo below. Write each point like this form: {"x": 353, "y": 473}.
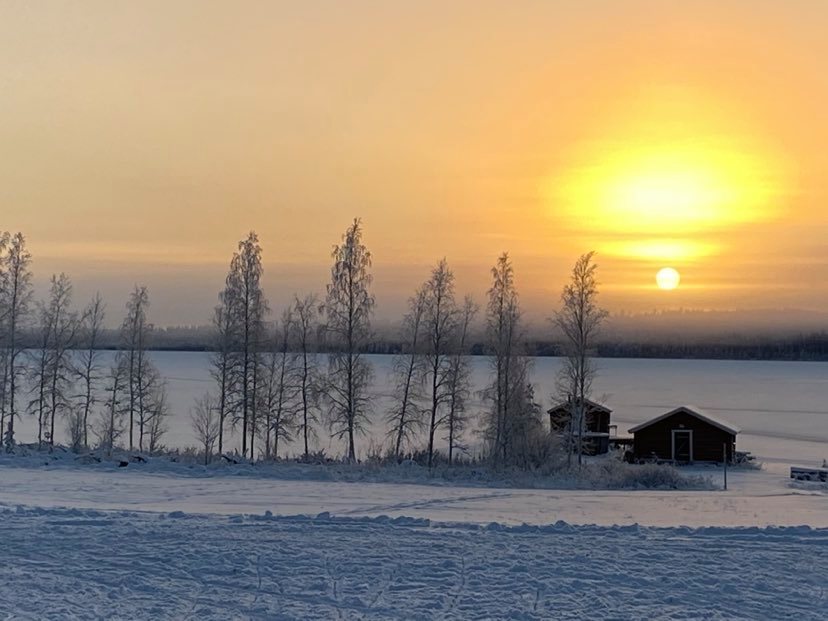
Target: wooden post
{"x": 725, "y": 465}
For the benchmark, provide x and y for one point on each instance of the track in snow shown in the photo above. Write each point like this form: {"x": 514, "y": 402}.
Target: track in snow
{"x": 60, "y": 563}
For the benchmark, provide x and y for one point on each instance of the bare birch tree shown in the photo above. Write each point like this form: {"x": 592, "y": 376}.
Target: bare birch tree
{"x": 133, "y": 356}
{"x": 146, "y": 390}
{"x": 64, "y": 324}
{"x": 505, "y": 336}
{"x": 155, "y": 420}
{"x": 4, "y": 386}
{"x": 405, "y": 418}
{"x": 248, "y": 306}
{"x": 205, "y": 421}
{"x": 88, "y": 368}
{"x": 224, "y": 367}
{"x": 52, "y": 374}
{"x": 110, "y": 424}
{"x": 152, "y": 407}
{"x": 281, "y": 388}
{"x": 4, "y": 350}
{"x": 15, "y": 300}
{"x": 38, "y": 373}
{"x": 348, "y": 307}
{"x": 439, "y": 322}
{"x": 305, "y": 336}
{"x": 579, "y": 319}
{"x": 459, "y": 382}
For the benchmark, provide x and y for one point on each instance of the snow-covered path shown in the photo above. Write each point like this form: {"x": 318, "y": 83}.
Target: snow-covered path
{"x": 754, "y": 498}
{"x": 87, "y": 564}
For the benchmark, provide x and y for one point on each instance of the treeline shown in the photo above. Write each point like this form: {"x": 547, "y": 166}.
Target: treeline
{"x": 811, "y": 347}
{"x": 276, "y": 379}
{"x": 805, "y": 347}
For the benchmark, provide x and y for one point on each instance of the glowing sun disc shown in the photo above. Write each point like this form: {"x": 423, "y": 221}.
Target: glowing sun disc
{"x": 668, "y": 278}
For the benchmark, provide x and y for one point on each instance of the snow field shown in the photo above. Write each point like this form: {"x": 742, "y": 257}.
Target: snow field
{"x": 86, "y": 564}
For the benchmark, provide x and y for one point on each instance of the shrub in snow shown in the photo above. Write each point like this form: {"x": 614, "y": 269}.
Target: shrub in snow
{"x": 612, "y": 473}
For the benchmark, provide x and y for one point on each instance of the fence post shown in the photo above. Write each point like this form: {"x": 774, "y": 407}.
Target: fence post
{"x": 724, "y": 450}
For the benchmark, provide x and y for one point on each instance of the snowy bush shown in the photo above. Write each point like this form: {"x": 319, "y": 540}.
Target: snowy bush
{"x": 612, "y": 473}
{"x": 598, "y": 473}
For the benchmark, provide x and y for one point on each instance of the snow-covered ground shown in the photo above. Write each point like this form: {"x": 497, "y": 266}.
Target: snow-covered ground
{"x": 144, "y": 542}
{"x": 60, "y": 564}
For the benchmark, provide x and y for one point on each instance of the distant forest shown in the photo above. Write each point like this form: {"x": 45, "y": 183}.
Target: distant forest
{"x": 803, "y": 347}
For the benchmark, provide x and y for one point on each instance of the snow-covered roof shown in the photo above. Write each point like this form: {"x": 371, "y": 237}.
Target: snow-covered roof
{"x": 563, "y": 405}
{"x": 692, "y": 411}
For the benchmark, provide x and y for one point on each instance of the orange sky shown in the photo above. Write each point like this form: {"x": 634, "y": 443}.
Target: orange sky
{"x": 140, "y": 141}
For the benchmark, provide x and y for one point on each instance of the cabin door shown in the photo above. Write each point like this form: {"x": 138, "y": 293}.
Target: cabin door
{"x": 682, "y": 445}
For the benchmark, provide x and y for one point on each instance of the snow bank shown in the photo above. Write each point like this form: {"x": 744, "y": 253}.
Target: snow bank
{"x": 608, "y": 473}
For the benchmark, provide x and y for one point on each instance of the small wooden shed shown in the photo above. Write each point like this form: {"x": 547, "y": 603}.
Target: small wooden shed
{"x": 685, "y": 435}
{"x": 596, "y": 424}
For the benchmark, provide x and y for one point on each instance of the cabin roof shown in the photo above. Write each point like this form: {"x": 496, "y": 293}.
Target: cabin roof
{"x": 564, "y": 405}
{"x": 692, "y": 411}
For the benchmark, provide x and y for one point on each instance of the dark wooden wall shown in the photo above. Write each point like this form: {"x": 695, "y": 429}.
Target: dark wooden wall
{"x": 707, "y": 439}
{"x": 595, "y": 420}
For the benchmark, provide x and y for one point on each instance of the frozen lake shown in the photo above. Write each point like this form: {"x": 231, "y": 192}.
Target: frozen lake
{"x": 781, "y": 407}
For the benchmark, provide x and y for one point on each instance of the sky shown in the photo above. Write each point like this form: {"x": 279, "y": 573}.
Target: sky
{"x": 140, "y": 141}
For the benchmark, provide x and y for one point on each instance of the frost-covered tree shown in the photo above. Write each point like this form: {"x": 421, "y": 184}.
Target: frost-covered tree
{"x": 579, "y": 319}
{"x": 305, "y": 336}
{"x": 459, "y": 379}
{"x": 281, "y": 388}
{"x": 145, "y": 389}
{"x": 38, "y": 373}
{"x": 405, "y": 418}
{"x": 205, "y": 421}
{"x": 439, "y": 325}
{"x": 88, "y": 367}
{"x": 348, "y": 308}
{"x": 529, "y": 443}
{"x": 224, "y": 367}
{"x": 505, "y": 345}
{"x": 132, "y": 355}
{"x": 153, "y": 410}
{"x": 246, "y": 303}
{"x": 4, "y": 386}
{"x": 109, "y": 427}
{"x": 15, "y": 301}
{"x": 155, "y": 419}
{"x": 61, "y": 370}
{"x": 52, "y": 374}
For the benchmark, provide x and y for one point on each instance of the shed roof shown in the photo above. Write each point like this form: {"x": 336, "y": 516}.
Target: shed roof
{"x": 564, "y": 405}
{"x": 692, "y": 411}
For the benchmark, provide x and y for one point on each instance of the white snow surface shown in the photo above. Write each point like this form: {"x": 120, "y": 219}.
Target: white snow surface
{"x": 177, "y": 542}
{"x": 61, "y": 564}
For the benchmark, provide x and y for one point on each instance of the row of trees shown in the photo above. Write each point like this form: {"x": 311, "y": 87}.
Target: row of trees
{"x": 270, "y": 386}
{"x": 63, "y": 378}
{"x": 268, "y": 382}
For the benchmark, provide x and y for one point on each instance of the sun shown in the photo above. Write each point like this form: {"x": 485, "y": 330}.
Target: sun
{"x": 668, "y": 278}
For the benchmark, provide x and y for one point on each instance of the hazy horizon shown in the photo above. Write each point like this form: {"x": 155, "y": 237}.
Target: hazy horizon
{"x": 142, "y": 141}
